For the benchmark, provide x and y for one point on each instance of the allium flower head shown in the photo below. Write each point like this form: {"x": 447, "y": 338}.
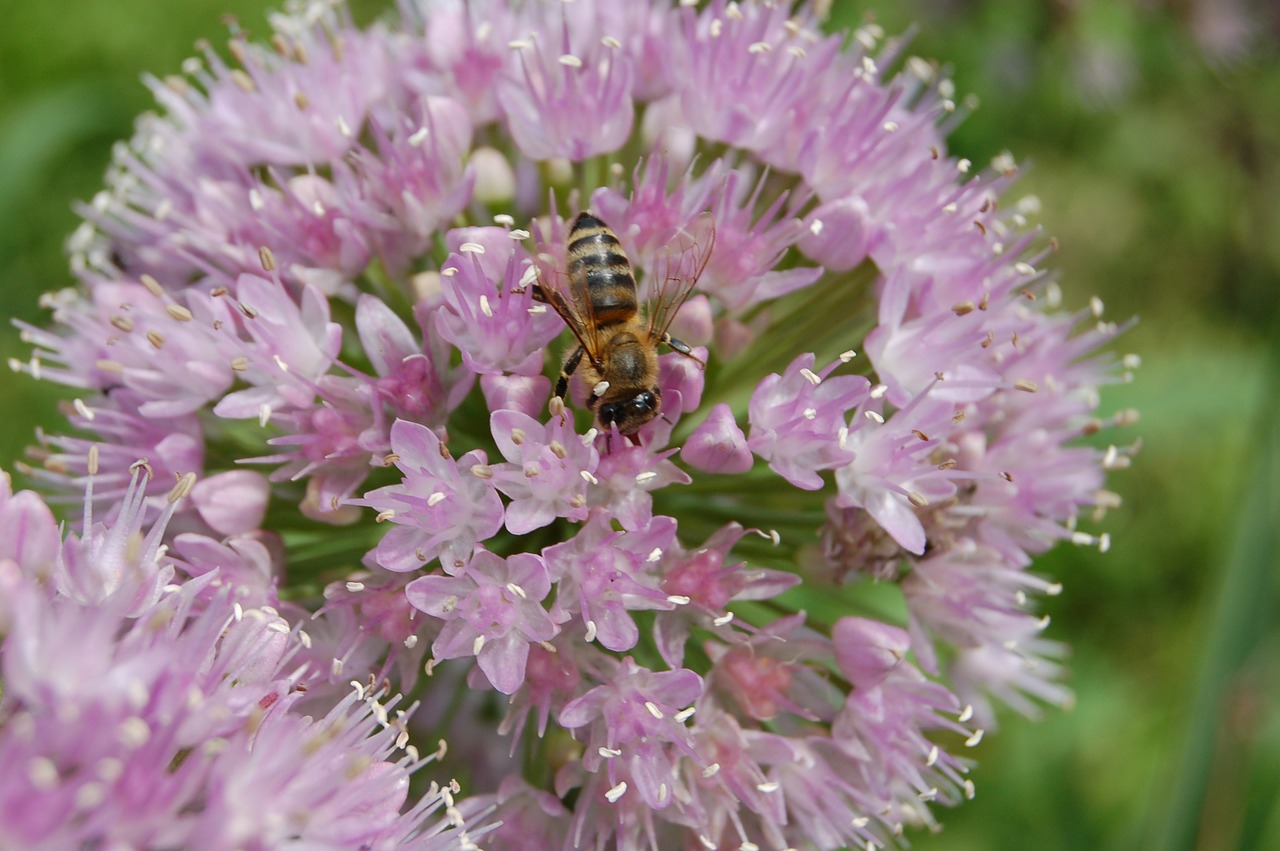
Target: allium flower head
{"x": 318, "y": 292}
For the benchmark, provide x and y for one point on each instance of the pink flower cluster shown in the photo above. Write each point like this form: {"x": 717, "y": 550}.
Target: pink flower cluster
{"x": 317, "y": 261}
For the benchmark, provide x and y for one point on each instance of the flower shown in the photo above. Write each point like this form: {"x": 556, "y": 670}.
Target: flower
{"x": 330, "y": 257}
{"x": 143, "y": 712}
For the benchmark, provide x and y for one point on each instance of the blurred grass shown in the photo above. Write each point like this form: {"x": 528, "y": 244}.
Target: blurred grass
{"x": 1158, "y": 165}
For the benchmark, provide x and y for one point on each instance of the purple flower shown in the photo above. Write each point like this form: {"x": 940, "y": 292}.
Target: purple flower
{"x": 146, "y": 713}
{"x": 441, "y": 510}
{"x": 331, "y": 255}
{"x": 565, "y": 97}
{"x": 604, "y": 575}
{"x": 635, "y": 728}
{"x": 292, "y": 345}
{"x": 548, "y": 471}
{"x": 496, "y": 330}
{"x": 491, "y": 611}
{"x": 798, "y": 420}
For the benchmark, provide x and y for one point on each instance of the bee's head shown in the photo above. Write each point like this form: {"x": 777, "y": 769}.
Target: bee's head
{"x": 630, "y": 414}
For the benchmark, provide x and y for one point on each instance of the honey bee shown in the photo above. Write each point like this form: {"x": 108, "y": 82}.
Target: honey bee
{"x": 596, "y": 296}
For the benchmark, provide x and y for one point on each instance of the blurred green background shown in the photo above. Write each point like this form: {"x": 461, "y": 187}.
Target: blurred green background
{"x": 1150, "y": 130}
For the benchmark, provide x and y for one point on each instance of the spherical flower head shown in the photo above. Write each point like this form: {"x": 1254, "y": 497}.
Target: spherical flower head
{"x": 338, "y": 282}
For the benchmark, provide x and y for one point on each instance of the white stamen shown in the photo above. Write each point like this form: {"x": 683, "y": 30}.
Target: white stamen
{"x": 847, "y": 356}
{"x": 616, "y": 792}
{"x": 685, "y": 714}
{"x": 677, "y": 599}
{"x": 518, "y": 234}
{"x": 654, "y": 555}
{"x": 355, "y": 587}
{"x": 724, "y": 619}
{"x": 653, "y": 709}
{"x": 517, "y": 590}
{"x": 874, "y": 416}
{"x": 965, "y": 714}
{"x": 591, "y": 631}
{"x": 435, "y": 499}
{"x": 645, "y": 477}
{"x": 973, "y": 740}
{"x": 770, "y": 786}
{"x": 588, "y": 478}
{"x": 815, "y": 227}
{"x": 419, "y": 136}
{"x": 471, "y": 248}
{"x": 484, "y": 306}
{"x": 477, "y": 645}
{"x": 133, "y": 732}
{"x": 43, "y": 773}
{"x": 609, "y": 753}
{"x": 878, "y": 391}
{"x": 711, "y": 770}
{"x": 568, "y": 60}
{"x": 810, "y": 376}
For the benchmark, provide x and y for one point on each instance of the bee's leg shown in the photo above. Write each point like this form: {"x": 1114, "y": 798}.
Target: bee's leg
{"x": 562, "y": 385}
{"x": 681, "y": 348}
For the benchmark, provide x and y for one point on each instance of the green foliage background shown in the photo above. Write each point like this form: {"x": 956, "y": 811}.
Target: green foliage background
{"x": 1158, "y": 165}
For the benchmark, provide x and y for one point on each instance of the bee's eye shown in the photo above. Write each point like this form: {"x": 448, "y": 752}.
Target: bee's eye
{"x": 645, "y": 401}
{"x": 609, "y": 413}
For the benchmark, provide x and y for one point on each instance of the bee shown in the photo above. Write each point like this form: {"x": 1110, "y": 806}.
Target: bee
{"x": 596, "y": 296}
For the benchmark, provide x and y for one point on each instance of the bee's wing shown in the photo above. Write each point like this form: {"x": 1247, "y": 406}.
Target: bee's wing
{"x": 570, "y": 300}
{"x": 676, "y": 268}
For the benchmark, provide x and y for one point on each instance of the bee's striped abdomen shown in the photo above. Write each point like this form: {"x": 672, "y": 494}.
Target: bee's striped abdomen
{"x": 596, "y": 255}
